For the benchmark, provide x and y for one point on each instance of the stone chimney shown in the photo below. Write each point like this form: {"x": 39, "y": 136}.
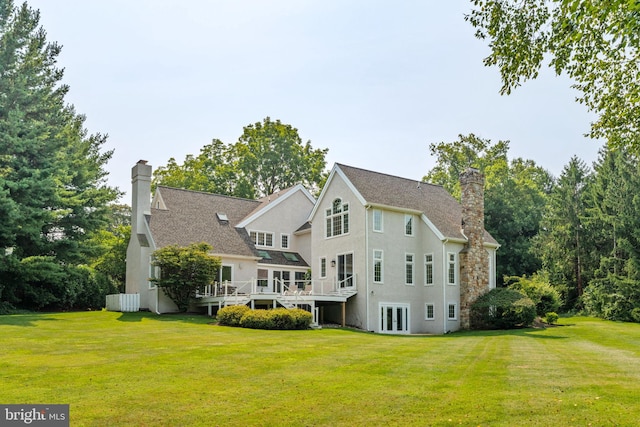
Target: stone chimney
{"x": 474, "y": 259}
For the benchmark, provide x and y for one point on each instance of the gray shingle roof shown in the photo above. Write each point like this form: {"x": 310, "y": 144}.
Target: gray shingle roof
{"x": 433, "y": 200}
{"x": 191, "y": 217}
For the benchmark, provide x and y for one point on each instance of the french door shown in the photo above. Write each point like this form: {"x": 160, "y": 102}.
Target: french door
{"x": 344, "y": 269}
{"x": 394, "y": 318}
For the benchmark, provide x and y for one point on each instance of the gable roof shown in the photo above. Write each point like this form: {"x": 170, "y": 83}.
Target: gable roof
{"x": 192, "y": 216}
{"x": 439, "y": 207}
{"x": 269, "y": 202}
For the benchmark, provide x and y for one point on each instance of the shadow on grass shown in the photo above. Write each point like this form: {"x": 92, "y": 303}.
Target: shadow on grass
{"x": 24, "y": 319}
{"x": 139, "y": 316}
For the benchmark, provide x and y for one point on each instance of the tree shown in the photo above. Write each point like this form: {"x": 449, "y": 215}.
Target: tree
{"x": 268, "y": 157}
{"x": 515, "y": 196}
{"x": 272, "y": 156}
{"x": 53, "y": 195}
{"x": 565, "y": 241}
{"x": 212, "y": 171}
{"x": 596, "y": 43}
{"x": 183, "y": 270}
{"x": 614, "y": 212}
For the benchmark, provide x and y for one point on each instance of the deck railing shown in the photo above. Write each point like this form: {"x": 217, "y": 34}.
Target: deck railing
{"x": 297, "y": 288}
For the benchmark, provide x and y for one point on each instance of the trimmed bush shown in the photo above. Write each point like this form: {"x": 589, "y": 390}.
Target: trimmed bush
{"x": 551, "y": 317}
{"x": 502, "y": 308}
{"x": 544, "y": 296}
{"x": 231, "y": 315}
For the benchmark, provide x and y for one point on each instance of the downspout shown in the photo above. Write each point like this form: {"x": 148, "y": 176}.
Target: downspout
{"x": 445, "y": 308}
{"x": 366, "y": 262}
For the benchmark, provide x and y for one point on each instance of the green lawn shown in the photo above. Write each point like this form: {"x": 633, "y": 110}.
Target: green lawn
{"x": 139, "y": 369}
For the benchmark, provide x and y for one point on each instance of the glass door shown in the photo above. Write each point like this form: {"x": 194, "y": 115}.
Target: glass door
{"x": 394, "y": 318}
{"x": 345, "y": 270}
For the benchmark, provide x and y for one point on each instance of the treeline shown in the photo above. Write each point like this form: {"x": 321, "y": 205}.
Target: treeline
{"x": 579, "y": 232}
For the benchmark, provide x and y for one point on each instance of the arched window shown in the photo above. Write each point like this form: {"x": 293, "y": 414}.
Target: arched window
{"x": 337, "y": 218}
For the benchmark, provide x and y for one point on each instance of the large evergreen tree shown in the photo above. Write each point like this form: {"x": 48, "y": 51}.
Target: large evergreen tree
{"x": 565, "y": 241}
{"x": 53, "y": 195}
{"x": 515, "y": 196}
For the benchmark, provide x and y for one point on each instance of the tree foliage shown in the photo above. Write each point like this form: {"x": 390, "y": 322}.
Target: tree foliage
{"x": 566, "y": 241}
{"x": 269, "y": 156}
{"x": 537, "y": 287}
{"x": 53, "y": 195}
{"x": 183, "y": 270}
{"x": 502, "y": 308}
{"x": 515, "y": 196}
{"x": 596, "y": 43}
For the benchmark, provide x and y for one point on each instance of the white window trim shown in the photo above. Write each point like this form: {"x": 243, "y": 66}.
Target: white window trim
{"x": 341, "y": 214}
{"x": 288, "y": 236}
{"x": 432, "y": 269}
{"x": 255, "y": 242}
{"x": 413, "y": 225}
{"x": 455, "y": 309}
{"x": 381, "y": 259}
{"x": 426, "y": 311}
{"x": 325, "y": 267}
{"x": 455, "y": 268}
{"x": 413, "y": 269}
{"x": 373, "y": 220}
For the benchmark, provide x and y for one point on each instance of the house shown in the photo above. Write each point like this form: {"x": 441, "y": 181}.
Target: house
{"x": 416, "y": 256}
{"x": 374, "y": 251}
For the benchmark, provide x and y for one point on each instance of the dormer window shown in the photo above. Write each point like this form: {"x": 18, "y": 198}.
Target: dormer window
{"x": 261, "y": 238}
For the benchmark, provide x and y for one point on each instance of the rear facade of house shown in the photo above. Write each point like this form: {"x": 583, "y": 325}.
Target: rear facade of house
{"x": 374, "y": 251}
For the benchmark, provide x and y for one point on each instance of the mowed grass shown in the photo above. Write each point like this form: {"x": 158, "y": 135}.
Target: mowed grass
{"x": 139, "y": 369}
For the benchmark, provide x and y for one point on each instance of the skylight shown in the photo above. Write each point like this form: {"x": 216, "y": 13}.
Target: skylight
{"x": 264, "y": 254}
{"x": 222, "y": 216}
{"x": 290, "y": 257}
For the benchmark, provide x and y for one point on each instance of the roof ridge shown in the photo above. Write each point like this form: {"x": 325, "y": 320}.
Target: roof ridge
{"x": 391, "y": 176}
{"x": 209, "y": 194}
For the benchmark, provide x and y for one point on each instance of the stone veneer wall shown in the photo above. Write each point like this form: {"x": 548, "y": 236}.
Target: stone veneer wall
{"x": 474, "y": 268}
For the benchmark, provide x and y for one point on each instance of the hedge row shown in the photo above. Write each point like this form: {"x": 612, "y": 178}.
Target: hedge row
{"x": 277, "y": 318}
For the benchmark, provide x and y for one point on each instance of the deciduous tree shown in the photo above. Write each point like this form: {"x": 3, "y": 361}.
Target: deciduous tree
{"x": 596, "y": 43}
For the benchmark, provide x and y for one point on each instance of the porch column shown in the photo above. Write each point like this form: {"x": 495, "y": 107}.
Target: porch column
{"x": 344, "y": 314}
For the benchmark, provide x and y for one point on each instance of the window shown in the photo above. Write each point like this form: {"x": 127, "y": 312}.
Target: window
{"x": 408, "y": 225}
{"x": 323, "y": 267}
{"x": 264, "y": 255}
{"x": 452, "y": 312}
{"x": 377, "y": 220}
{"x": 429, "y": 312}
{"x": 337, "y": 219}
{"x": 428, "y": 269}
{"x": 261, "y": 238}
{"x": 153, "y": 272}
{"x": 263, "y": 277}
{"x": 377, "y": 266}
{"x": 284, "y": 241}
{"x": 300, "y": 279}
{"x": 451, "y": 270}
{"x": 408, "y": 269}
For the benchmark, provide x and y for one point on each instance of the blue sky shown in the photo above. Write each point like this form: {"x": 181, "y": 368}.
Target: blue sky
{"x": 374, "y": 81}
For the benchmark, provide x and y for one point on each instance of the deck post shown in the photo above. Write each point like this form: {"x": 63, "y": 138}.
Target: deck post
{"x": 209, "y": 309}
{"x": 344, "y": 313}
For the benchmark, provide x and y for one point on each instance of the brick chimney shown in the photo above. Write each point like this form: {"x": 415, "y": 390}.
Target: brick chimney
{"x": 474, "y": 259}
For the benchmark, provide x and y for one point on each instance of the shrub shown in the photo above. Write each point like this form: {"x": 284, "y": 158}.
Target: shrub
{"x": 231, "y": 315}
{"x": 544, "y": 296}
{"x": 551, "y": 317}
{"x": 613, "y": 298}
{"x": 257, "y": 319}
{"x": 502, "y": 308}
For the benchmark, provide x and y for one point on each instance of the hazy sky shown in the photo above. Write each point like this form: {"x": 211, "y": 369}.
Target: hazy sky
{"x": 375, "y": 82}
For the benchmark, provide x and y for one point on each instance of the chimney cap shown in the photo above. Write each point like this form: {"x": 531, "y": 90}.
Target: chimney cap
{"x": 142, "y": 162}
